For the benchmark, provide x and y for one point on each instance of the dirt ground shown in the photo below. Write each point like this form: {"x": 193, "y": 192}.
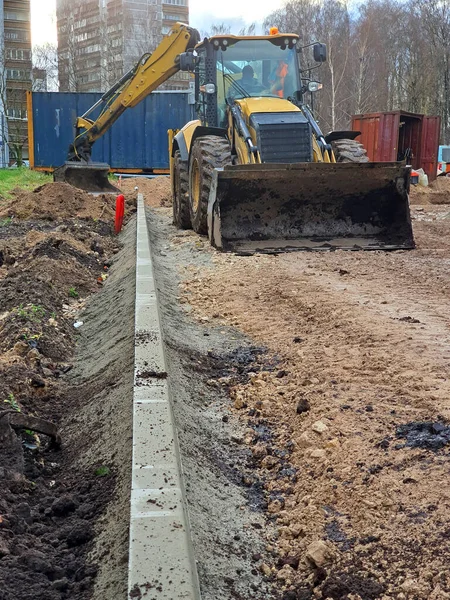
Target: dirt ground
{"x": 54, "y": 201}
{"x": 156, "y": 191}
{"x": 56, "y": 251}
{"x": 438, "y": 192}
{"x": 310, "y": 394}
{"x": 356, "y": 468}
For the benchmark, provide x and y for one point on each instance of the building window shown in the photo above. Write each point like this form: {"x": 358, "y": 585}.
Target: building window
{"x": 18, "y": 74}
{"x": 171, "y": 16}
{"x": 176, "y": 2}
{"x": 18, "y": 54}
{"x": 16, "y": 16}
{"x": 16, "y": 113}
{"x": 17, "y": 34}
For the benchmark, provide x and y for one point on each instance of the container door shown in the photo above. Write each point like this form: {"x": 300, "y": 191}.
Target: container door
{"x": 379, "y": 135}
{"x": 389, "y": 128}
{"x": 430, "y": 146}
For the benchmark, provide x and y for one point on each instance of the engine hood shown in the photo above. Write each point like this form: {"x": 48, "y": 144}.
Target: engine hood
{"x": 264, "y": 104}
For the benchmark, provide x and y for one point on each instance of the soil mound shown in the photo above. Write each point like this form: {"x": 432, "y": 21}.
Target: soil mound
{"x": 156, "y": 191}
{"x": 54, "y": 201}
{"x": 438, "y": 192}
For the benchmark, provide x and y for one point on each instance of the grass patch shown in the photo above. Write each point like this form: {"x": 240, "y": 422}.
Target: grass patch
{"x": 22, "y": 178}
{"x": 5, "y": 222}
{"x": 102, "y": 472}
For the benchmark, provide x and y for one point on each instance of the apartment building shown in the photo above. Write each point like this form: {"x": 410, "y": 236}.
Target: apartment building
{"x": 100, "y": 40}
{"x": 16, "y": 69}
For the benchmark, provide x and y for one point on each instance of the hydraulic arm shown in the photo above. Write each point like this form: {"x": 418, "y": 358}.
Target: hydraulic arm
{"x": 150, "y": 72}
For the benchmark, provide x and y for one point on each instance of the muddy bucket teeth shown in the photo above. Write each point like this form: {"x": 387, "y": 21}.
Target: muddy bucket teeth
{"x": 91, "y": 177}
{"x": 316, "y": 206}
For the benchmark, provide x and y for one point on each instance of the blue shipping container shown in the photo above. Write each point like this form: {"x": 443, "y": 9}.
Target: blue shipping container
{"x": 137, "y": 140}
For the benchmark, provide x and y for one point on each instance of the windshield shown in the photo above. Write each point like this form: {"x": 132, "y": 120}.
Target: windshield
{"x": 254, "y": 68}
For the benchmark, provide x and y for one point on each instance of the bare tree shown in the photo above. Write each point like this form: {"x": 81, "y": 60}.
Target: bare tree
{"x": 387, "y": 55}
{"x": 45, "y": 63}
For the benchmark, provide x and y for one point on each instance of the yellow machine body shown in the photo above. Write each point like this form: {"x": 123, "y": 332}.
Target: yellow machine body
{"x": 254, "y": 170}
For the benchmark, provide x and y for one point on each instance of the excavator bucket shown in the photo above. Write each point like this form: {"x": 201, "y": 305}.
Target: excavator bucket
{"x": 91, "y": 177}
{"x": 315, "y": 206}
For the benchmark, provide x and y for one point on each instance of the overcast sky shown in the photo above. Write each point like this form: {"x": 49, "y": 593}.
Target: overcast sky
{"x": 237, "y": 13}
{"x": 203, "y": 13}
{"x": 43, "y": 21}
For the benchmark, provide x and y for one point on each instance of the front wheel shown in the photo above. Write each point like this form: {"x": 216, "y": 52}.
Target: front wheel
{"x": 180, "y": 193}
{"x": 208, "y": 153}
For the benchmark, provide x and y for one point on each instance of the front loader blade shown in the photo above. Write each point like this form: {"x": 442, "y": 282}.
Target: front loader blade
{"x": 312, "y": 206}
{"x": 91, "y": 177}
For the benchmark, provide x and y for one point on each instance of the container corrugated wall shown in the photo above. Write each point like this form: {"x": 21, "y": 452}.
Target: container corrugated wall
{"x": 387, "y": 135}
{"x": 137, "y": 141}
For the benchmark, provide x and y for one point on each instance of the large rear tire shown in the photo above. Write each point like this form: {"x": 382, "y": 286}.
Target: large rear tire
{"x": 180, "y": 193}
{"x": 208, "y": 153}
{"x": 349, "y": 151}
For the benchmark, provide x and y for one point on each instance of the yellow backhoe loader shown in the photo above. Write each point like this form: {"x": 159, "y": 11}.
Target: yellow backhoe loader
{"x": 254, "y": 171}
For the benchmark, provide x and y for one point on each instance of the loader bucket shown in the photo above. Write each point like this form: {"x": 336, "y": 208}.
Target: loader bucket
{"x": 91, "y": 177}
{"x": 314, "y": 206}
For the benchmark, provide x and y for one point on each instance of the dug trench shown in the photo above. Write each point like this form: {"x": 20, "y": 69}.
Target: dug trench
{"x": 57, "y": 251}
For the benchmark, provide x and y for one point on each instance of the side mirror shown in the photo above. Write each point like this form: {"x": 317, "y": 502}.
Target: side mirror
{"x": 320, "y": 53}
{"x": 188, "y": 61}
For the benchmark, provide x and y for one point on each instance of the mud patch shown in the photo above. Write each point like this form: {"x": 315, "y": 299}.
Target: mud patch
{"x": 235, "y": 366}
{"x": 341, "y": 586}
{"x": 428, "y": 435}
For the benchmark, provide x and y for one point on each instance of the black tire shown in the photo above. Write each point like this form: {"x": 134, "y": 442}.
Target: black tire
{"x": 349, "y": 151}
{"x": 180, "y": 193}
{"x": 208, "y": 153}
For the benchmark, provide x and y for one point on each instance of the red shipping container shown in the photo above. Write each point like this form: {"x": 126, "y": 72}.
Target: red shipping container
{"x": 389, "y": 136}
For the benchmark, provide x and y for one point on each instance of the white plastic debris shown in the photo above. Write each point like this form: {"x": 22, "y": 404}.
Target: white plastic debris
{"x": 78, "y": 324}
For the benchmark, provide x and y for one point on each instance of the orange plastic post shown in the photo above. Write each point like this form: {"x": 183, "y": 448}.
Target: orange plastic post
{"x": 120, "y": 211}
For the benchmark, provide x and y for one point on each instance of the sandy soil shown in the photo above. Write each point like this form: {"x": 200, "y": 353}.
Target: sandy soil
{"x": 438, "y": 192}
{"x": 157, "y": 191}
{"x": 364, "y": 344}
{"x": 101, "y": 429}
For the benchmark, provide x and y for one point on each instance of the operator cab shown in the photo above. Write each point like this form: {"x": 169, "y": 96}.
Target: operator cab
{"x": 231, "y": 68}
